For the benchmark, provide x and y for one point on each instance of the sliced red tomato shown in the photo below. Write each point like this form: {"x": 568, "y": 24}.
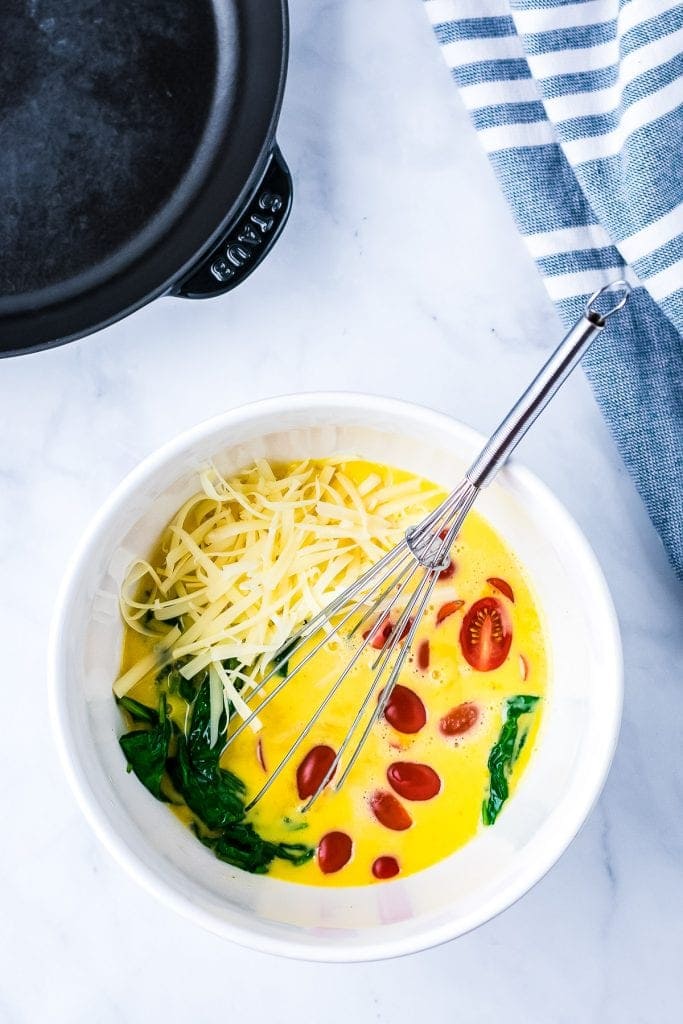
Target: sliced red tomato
{"x": 313, "y": 770}
{"x": 423, "y": 655}
{"x": 451, "y": 567}
{"x": 406, "y": 629}
{"x": 389, "y": 811}
{"x": 384, "y": 633}
{"x": 459, "y": 719}
{"x": 381, "y": 634}
{"x": 405, "y": 711}
{"x": 448, "y": 609}
{"x": 385, "y": 867}
{"x": 413, "y": 781}
{"x": 449, "y": 571}
{"x": 334, "y": 851}
{"x": 486, "y": 635}
{"x": 503, "y": 586}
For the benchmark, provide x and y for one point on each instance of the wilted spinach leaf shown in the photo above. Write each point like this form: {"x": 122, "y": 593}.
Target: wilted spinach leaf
{"x": 242, "y": 846}
{"x": 175, "y": 682}
{"x": 503, "y": 755}
{"x": 520, "y": 704}
{"x": 203, "y": 757}
{"x": 294, "y": 826}
{"x": 215, "y": 795}
{"x": 138, "y": 712}
{"x": 146, "y": 751}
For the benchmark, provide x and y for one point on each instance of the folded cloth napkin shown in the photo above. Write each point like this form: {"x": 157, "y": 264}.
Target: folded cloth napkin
{"x": 579, "y": 107}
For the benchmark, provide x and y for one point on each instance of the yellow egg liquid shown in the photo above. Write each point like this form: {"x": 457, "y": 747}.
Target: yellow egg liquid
{"x": 445, "y": 822}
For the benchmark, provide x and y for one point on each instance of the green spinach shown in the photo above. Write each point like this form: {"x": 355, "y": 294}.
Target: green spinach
{"x": 146, "y": 751}
{"x": 172, "y": 679}
{"x": 242, "y": 846}
{"x": 138, "y": 712}
{"x": 504, "y": 753}
{"x": 215, "y": 796}
{"x": 203, "y": 756}
{"x": 294, "y": 826}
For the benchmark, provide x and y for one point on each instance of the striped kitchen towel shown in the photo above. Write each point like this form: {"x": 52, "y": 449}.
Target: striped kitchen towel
{"x": 580, "y": 109}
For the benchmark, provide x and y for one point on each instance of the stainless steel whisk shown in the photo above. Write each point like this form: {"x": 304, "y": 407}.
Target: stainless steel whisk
{"x": 418, "y": 559}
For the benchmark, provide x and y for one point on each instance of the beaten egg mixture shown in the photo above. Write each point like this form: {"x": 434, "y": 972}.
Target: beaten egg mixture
{"x": 415, "y": 794}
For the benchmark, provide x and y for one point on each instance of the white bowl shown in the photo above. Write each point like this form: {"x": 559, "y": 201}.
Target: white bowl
{"x": 560, "y": 785}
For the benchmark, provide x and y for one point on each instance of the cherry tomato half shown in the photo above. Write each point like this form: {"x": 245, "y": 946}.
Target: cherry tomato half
{"x": 405, "y": 711}
{"x": 503, "y": 586}
{"x": 334, "y": 851}
{"x": 383, "y": 633}
{"x": 389, "y": 811}
{"x": 423, "y": 655}
{"x": 413, "y": 781}
{"x": 385, "y": 867}
{"x": 486, "y": 635}
{"x": 459, "y": 719}
{"x": 449, "y": 571}
{"x": 313, "y": 770}
{"x": 448, "y": 609}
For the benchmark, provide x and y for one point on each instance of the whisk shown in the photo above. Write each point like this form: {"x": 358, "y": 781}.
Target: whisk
{"x": 405, "y": 576}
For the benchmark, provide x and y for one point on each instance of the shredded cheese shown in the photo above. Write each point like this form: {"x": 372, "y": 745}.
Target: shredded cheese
{"x": 247, "y": 560}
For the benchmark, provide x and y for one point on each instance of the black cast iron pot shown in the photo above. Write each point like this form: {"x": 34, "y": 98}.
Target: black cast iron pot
{"x": 137, "y": 156}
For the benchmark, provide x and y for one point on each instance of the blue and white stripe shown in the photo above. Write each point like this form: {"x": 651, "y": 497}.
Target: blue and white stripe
{"x": 579, "y": 106}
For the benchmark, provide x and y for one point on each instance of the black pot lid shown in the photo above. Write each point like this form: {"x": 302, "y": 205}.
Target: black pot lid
{"x": 129, "y": 134}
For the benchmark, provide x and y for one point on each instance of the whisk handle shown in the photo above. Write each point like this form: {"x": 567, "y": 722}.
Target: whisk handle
{"x": 545, "y": 384}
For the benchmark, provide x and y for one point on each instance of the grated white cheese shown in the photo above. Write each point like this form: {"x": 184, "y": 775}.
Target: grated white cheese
{"x": 247, "y": 560}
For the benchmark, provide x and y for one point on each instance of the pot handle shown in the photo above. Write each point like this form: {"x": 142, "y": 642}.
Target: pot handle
{"x": 249, "y": 239}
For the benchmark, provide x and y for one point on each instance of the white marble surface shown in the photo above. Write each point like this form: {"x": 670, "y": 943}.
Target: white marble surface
{"x": 400, "y": 273}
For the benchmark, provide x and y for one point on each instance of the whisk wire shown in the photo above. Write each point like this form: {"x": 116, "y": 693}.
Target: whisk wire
{"x": 383, "y": 660}
{"x": 305, "y": 632}
{"x": 429, "y": 579}
{"x": 466, "y": 495}
{"x": 330, "y": 694}
{"x": 322, "y": 620}
{"x": 376, "y": 612}
{"x": 427, "y": 545}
